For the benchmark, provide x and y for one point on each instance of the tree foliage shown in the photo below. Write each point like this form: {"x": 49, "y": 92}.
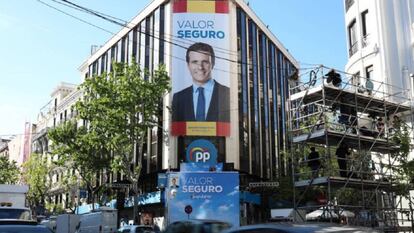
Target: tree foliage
{"x": 120, "y": 107}
{"x": 404, "y": 169}
{"x": 80, "y": 150}
{"x": 9, "y": 171}
{"x": 35, "y": 173}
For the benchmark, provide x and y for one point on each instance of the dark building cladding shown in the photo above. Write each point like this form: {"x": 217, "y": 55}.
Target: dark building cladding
{"x": 262, "y": 81}
{"x": 145, "y": 43}
{"x": 262, "y": 90}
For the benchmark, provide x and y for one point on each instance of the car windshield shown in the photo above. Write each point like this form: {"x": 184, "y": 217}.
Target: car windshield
{"x": 23, "y": 229}
{"x": 137, "y": 230}
{"x": 202, "y": 227}
{"x": 144, "y": 230}
{"x": 215, "y": 226}
{"x": 22, "y": 214}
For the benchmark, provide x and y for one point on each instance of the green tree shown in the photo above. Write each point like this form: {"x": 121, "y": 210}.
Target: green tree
{"x": 35, "y": 173}
{"x": 81, "y": 150}
{"x": 9, "y": 172}
{"x": 404, "y": 168}
{"x": 121, "y": 107}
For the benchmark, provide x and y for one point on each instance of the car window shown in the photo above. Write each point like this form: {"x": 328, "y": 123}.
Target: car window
{"x": 14, "y": 214}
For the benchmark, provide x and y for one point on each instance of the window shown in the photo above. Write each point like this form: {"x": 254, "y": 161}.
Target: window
{"x": 369, "y": 85}
{"x": 355, "y": 78}
{"x": 353, "y": 43}
{"x": 369, "y": 70}
{"x": 348, "y": 4}
{"x": 364, "y": 18}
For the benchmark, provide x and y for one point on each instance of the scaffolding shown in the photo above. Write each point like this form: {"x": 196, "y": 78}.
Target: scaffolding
{"x": 350, "y": 129}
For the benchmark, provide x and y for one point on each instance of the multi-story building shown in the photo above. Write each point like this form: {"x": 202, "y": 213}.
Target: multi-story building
{"x": 381, "y": 49}
{"x": 380, "y": 43}
{"x": 15, "y": 149}
{"x": 4, "y": 147}
{"x": 58, "y": 110}
{"x": 251, "y": 135}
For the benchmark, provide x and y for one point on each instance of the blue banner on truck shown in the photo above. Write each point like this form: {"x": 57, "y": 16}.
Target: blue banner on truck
{"x": 209, "y": 195}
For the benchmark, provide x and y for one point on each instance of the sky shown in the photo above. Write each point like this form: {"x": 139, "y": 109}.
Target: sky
{"x": 41, "y": 47}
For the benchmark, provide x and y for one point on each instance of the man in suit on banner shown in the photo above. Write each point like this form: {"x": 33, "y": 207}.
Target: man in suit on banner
{"x": 205, "y": 99}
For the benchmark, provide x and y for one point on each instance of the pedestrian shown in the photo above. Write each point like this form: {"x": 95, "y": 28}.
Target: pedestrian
{"x": 314, "y": 162}
{"x": 380, "y": 127}
{"x": 342, "y": 153}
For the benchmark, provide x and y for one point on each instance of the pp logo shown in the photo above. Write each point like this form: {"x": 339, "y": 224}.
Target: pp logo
{"x": 199, "y": 154}
{"x": 202, "y": 151}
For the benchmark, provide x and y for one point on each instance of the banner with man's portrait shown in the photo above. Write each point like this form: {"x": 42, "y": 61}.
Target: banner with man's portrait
{"x": 200, "y": 68}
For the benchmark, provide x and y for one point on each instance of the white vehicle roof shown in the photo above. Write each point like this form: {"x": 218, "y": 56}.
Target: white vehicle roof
{"x": 9, "y": 188}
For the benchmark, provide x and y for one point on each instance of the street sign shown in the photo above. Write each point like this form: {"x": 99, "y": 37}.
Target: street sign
{"x": 263, "y": 184}
{"x": 188, "y": 209}
{"x": 117, "y": 185}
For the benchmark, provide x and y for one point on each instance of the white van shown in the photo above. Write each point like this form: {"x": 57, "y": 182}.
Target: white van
{"x": 13, "y": 203}
{"x": 102, "y": 220}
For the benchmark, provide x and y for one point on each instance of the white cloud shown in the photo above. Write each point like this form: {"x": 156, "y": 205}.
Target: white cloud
{"x": 201, "y": 214}
{"x": 223, "y": 208}
{"x": 233, "y": 193}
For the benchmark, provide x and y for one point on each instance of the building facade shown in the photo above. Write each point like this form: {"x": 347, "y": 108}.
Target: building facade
{"x": 249, "y": 60}
{"x": 381, "y": 49}
{"x": 59, "y": 109}
{"x": 380, "y": 43}
{"x": 4, "y": 147}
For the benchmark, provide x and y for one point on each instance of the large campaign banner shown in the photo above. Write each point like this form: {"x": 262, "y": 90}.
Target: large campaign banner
{"x": 200, "y": 68}
{"x": 203, "y": 195}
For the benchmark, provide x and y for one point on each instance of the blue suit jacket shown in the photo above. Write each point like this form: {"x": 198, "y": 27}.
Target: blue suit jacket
{"x": 219, "y": 109}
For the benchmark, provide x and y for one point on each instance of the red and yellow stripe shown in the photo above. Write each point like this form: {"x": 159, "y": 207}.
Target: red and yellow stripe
{"x": 197, "y": 128}
{"x": 201, "y": 6}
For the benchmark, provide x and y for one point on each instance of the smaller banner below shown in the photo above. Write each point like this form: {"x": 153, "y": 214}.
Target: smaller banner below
{"x": 211, "y": 195}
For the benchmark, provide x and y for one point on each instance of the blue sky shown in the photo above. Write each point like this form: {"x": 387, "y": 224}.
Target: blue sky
{"x": 41, "y": 47}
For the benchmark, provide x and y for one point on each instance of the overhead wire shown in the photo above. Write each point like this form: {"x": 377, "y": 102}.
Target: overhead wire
{"x": 77, "y": 18}
{"x": 125, "y": 24}
{"x": 130, "y": 39}
{"x": 161, "y": 39}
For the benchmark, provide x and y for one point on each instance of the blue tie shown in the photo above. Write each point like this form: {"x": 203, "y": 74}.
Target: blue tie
{"x": 201, "y": 105}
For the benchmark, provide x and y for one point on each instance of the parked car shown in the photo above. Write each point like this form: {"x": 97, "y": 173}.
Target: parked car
{"x": 22, "y": 226}
{"x": 300, "y": 228}
{"x": 136, "y": 229}
{"x": 197, "y": 226}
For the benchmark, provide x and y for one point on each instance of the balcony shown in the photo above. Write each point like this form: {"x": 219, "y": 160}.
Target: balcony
{"x": 353, "y": 49}
{"x": 365, "y": 41}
